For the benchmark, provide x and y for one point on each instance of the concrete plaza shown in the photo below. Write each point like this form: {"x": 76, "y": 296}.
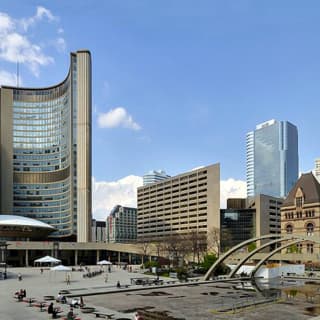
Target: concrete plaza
{"x": 189, "y": 302}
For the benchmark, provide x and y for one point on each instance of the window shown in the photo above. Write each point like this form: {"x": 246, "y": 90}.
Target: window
{"x": 310, "y": 228}
{"x": 309, "y": 247}
{"x": 289, "y": 228}
{"x": 299, "y": 247}
{"x": 299, "y": 202}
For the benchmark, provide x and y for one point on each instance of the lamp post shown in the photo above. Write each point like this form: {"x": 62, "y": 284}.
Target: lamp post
{"x": 3, "y": 257}
{"x": 56, "y": 249}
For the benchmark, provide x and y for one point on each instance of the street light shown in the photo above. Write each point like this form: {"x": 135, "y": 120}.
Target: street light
{"x": 3, "y": 257}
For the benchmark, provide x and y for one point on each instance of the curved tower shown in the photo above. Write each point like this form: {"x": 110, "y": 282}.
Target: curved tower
{"x": 45, "y": 156}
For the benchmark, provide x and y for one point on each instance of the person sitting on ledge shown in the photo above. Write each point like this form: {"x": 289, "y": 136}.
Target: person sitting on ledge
{"x": 70, "y": 315}
{"x": 52, "y": 310}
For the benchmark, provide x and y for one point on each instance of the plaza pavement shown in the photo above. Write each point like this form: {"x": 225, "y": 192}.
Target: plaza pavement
{"x": 190, "y": 302}
{"x": 49, "y": 283}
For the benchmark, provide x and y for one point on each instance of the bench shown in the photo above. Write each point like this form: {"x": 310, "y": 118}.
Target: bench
{"x": 40, "y": 305}
{"x": 103, "y": 315}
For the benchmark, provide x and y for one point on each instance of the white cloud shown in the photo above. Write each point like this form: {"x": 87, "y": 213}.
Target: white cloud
{"x": 60, "y": 31}
{"x": 107, "y": 194}
{"x": 117, "y": 117}
{"x": 60, "y": 44}
{"x": 15, "y": 45}
{"x": 41, "y": 13}
{"x": 9, "y": 79}
{"x": 6, "y": 23}
{"x": 232, "y": 188}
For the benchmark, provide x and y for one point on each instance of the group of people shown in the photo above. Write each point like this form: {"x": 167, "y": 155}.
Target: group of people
{"x": 22, "y": 293}
{"x": 61, "y": 298}
{"x": 54, "y": 310}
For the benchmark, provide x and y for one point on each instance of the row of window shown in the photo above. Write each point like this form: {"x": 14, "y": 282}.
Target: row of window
{"x": 299, "y": 214}
{"x": 309, "y": 229}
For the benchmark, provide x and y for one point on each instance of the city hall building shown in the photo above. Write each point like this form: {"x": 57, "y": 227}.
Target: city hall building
{"x": 300, "y": 214}
{"x": 45, "y": 158}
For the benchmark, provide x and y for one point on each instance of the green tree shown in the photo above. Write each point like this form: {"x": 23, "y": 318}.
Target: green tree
{"x": 252, "y": 246}
{"x": 209, "y": 260}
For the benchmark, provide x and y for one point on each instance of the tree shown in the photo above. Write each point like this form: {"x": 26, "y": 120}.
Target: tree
{"x": 252, "y": 246}
{"x": 144, "y": 244}
{"x": 159, "y": 246}
{"x": 209, "y": 260}
{"x": 198, "y": 244}
{"x": 177, "y": 247}
{"x": 214, "y": 241}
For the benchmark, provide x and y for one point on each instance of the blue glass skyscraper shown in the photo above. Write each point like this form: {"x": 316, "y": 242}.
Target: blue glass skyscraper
{"x": 272, "y": 158}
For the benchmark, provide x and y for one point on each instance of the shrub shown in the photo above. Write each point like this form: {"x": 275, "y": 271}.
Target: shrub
{"x": 151, "y": 264}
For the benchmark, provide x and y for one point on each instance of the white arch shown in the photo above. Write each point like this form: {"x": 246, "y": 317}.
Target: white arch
{"x": 234, "y": 249}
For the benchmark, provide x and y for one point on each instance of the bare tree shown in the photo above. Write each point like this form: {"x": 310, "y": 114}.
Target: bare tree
{"x": 144, "y": 245}
{"x": 159, "y": 245}
{"x": 198, "y": 244}
{"x": 213, "y": 237}
{"x": 177, "y": 247}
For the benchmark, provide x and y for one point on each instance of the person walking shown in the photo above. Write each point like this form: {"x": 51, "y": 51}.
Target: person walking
{"x": 19, "y": 276}
{"x": 68, "y": 279}
{"x": 106, "y": 278}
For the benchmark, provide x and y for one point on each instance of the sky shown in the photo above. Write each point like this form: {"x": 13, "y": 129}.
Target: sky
{"x": 176, "y": 84}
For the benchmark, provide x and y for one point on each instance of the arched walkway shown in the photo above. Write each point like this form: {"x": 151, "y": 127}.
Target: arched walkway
{"x": 279, "y": 239}
{"x": 234, "y": 249}
{"x": 251, "y": 254}
{"x": 257, "y": 267}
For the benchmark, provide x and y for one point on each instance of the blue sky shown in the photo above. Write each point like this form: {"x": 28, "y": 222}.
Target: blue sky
{"x": 192, "y": 77}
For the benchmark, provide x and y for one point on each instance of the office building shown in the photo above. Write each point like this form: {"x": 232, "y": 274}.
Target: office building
{"x": 268, "y": 213}
{"x": 300, "y": 212}
{"x": 154, "y": 176}
{"x": 317, "y": 169}
{"x": 272, "y": 159}
{"x": 45, "y": 167}
{"x": 180, "y": 205}
{"x": 121, "y": 225}
{"x": 98, "y": 231}
{"x": 237, "y": 225}
{"x": 254, "y": 217}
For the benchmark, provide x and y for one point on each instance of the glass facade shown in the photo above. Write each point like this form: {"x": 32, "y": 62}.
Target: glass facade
{"x": 42, "y": 144}
{"x": 43, "y": 151}
{"x": 237, "y": 225}
{"x": 272, "y": 159}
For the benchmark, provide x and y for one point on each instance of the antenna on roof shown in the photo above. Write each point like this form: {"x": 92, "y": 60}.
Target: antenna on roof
{"x": 17, "y": 73}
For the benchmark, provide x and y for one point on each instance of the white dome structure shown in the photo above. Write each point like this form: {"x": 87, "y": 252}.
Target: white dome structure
{"x": 12, "y": 226}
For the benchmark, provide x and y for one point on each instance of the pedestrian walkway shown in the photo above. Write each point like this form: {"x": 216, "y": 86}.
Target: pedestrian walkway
{"x": 43, "y": 285}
